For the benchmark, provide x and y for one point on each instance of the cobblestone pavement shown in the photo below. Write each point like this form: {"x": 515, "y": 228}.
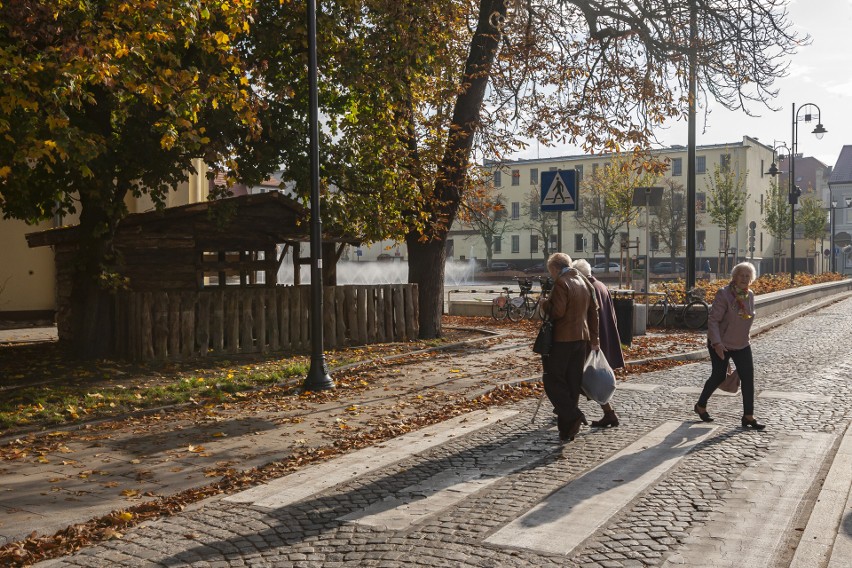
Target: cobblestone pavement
{"x": 497, "y": 489}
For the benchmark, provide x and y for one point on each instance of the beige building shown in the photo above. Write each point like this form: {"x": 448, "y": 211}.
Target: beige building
{"x": 27, "y": 275}
{"x": 514, "y": 180}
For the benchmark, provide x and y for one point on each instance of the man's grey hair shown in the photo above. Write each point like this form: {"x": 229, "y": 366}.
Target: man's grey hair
{"x": 559, "y": 260}
{"x": 583, "y": 267}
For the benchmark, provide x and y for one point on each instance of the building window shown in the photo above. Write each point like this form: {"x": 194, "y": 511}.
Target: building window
{"x": 725, "y": 162}
{"x": 701, "y": 202}
{"x": 762, "y": 168}
{"x": 624, "y": 239}
{"x": 498, "y": 178}
{"x": 497, "y": 245}
{"x": 677, "y": 167}
{"x": 761, "y": 240}
{"x": 722, "y": 235}
{"x": 535, "y": 210}
{"x": 761, "y": 202}
{"x": 534, "y": 176}
{"x": 596, "y": 243}
{"x": 533, "y": 243}
{"x": 579, "y": 242}
{"x": 701, "y": 164}
{"x": 516, "y": 177}
{"x": 516, "y": 210}
{"x": 553, "y": 243}
{"x": 594, "y": 169}
{"x": 553, "y": 168}
{"x": 516, "y": 244}
{"x": 655, "y": 241}
{"x": 701, "y": 240}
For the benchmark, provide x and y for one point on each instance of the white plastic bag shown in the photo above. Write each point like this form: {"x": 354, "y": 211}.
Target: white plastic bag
{"x": 598, "y": 378}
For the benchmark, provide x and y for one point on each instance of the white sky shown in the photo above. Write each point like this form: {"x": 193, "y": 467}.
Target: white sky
{"x": 820, "y": 73}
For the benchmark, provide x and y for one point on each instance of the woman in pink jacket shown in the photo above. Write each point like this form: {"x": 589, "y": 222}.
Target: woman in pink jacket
{"x": 728, "y": 328}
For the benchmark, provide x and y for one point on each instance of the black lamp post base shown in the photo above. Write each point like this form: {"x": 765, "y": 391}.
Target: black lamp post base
{"x": 318, "y": 378}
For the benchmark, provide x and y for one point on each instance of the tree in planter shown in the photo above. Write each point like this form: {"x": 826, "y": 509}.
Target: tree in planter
{"x": 103, "y": 102}
{"x": 607, "y": 199}
{"x": 726, "y": 199}
{"x": 812, "y": 218}
{"x": 484, "y": 209}
{"x": 540, "y": 223}
{"x": 776, "y": 215}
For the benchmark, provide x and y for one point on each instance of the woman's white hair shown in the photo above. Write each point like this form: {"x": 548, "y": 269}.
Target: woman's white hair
{"x": 745, "y": 267}
{"x": 583, "y": 267}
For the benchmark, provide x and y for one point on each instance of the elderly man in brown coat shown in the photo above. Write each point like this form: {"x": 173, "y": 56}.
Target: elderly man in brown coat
{"x": 573, "y": 309}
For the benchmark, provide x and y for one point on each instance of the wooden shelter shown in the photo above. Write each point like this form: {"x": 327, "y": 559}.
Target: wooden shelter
{"x": 196, "y": 276}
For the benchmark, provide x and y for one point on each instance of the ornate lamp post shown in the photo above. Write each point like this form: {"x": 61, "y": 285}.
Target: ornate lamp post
{"x": 318, "y": 377}
{"x": 795, "y": 191}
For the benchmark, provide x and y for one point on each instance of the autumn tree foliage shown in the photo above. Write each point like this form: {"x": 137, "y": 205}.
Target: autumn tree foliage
{"x": 726, "y": 200}
{"x": 669, "y": 218}
{"x": 776, "y": 214}
{"x": 542, "y": 224}
{"x": 102, "y": 100}
{"x": 607, "y": 199}
{"x": 813, "y": 218}
{"x": 484, "y": 210}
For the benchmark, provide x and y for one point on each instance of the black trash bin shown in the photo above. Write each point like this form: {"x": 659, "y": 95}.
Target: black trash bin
{"x": 622, "y": 301}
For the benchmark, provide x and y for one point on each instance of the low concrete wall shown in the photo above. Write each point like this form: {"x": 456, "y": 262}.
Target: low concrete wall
{"x": 766, "y": 303}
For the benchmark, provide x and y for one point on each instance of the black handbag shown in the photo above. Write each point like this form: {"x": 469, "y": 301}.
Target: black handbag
{"x": 544, "y": 339}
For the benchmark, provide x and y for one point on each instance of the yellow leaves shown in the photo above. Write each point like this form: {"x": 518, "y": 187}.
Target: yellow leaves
{"x": 195, "y": 449}
{"x": 125, "y": 516}
{"x": 221, "y": 38}
{"x": 131, "y": 494}
{"x": 72, "y": 412}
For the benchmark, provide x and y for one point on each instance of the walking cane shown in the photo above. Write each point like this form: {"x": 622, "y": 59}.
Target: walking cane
{"x": 537, "y": 406}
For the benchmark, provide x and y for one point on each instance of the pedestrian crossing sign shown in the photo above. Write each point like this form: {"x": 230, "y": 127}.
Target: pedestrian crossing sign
{"x": 559, "y": 191}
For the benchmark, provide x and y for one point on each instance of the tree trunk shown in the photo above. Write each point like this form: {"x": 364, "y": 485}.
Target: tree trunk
{"x": 91, "y": 299}
{"x": 426, "y": 268}
{"x": 426, "y": 252}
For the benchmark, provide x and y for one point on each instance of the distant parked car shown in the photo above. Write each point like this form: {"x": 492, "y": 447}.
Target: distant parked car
{"x": 665, "y": 267}
{"x": 601, "y": 267}
{"x": 500, "y": 265}
{"x": 536, "y": 269}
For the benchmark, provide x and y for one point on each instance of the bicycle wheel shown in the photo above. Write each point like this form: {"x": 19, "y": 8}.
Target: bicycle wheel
{"x": 530, "y": 306}
{"x": 516, "y": 308}
{"x": 658, "y": 312}
{"x": 695, "y": 314}
{"x": 500, "y": 308}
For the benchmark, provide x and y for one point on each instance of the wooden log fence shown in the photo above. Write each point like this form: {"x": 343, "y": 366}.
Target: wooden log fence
{"x": 174, "y": 325}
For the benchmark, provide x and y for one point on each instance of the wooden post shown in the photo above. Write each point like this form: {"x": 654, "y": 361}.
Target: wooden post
{"x": 232, "y": 322}
{"x": 340, "y": 315}
{"x": 187, "y": 324}
{"x": 351, "y": 316}
{"x": 371, "y": 314}
{"x": 284, "y": 294}
{"x": 390, "y": 331}
{"x": 261, "y": 304}
{"x": 246, "y": 321}
{"x": 161, "y": 326}
{"x": 273, "y": 306}
{"x": 202, "y": 322}
{"x": 362, "y": 306}
{"x": 147, "y": 328}
{"x": 304, "y": 316}
{"x": 329, "y": 329}
{"x": 174, "y": 324}
{"x": 217, "y": 321}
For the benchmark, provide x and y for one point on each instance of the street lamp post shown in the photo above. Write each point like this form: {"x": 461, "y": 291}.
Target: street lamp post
{"x": 773, "y": 171}
{"x": 848, "y": 201}
{"x": 819, "y": 131}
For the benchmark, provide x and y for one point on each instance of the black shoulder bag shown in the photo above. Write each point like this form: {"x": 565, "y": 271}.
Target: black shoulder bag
{"x": 544, "y": 339}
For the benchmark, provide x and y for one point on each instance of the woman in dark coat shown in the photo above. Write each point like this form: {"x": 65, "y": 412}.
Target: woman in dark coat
{"x": 608, "y": 334}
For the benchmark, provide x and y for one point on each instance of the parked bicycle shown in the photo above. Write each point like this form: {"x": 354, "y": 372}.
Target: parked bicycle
{"x": 693, "y": 313}
{"x": 505, "y": 305}
{"x": 525, "y": 305}
{"x": 532, "y": 302}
